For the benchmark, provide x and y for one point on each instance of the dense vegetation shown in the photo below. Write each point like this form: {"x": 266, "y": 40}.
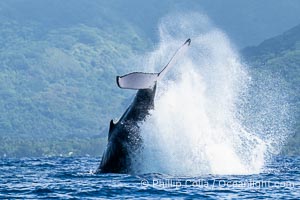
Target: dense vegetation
{"x": 57, "y": 78}
{"x": 281, "y": 56}
{"x": 58, "y": 61}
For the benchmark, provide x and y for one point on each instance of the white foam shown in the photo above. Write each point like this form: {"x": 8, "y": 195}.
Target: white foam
{"x": 196, "y": 127}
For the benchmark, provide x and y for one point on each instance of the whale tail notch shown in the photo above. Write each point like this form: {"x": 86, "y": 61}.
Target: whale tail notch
{"x": 141, "y": 80}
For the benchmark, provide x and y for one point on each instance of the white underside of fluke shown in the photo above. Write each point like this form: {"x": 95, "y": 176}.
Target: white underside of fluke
{"x": 137, "y": 80}
{"x": 141, "y": 80}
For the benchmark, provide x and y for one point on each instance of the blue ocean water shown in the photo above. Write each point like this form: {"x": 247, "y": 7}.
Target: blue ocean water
{"x": 73, "y": 177}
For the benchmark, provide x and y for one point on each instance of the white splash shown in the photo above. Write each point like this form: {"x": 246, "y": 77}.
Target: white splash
{"x": 196, "y": 126}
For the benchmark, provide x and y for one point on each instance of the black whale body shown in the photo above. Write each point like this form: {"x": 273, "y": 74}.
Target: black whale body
{"x": 124, "y": 138}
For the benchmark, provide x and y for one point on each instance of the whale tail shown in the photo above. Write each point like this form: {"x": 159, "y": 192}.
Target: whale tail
{"x": 141, "y": 80}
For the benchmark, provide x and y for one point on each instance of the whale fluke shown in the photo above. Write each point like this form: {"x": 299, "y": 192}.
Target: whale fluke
{"x": 141, "y": 80}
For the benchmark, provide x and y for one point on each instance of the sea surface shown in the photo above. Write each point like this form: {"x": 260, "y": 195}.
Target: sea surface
{"x": 73, "y": 178}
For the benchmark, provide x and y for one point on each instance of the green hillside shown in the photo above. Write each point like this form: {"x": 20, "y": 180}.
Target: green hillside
{"x": 59, "y": 59}
{"x": 57, "y": 77}
{"x": 281, "y": 55}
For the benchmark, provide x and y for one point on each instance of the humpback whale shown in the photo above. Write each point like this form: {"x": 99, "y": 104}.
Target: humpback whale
{"x": 123, "y": 137}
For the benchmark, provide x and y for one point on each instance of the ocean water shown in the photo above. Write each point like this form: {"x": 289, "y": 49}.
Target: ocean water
{"x": 73, "y": 178}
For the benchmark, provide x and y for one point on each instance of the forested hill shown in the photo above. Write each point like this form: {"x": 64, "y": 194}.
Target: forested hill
{"x": 57, "y": 74}
{"x": 278, "y": 46}
{"x": 281, "y": 55}
{"x": 59, "y": 59}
